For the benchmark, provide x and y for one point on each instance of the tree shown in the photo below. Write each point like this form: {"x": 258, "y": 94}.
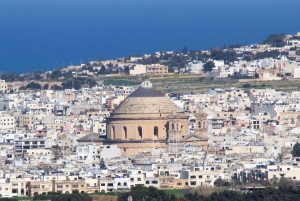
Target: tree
{"x": 102, "y": 70}
{"x": 92, "y": 83}
{"x": 184, "y": 50}
{"x": 46, "y": 86}
{"x": 37, "y": 77}
{"x": 285, "y": 183}
{"x": 236, "y": 75}
{"x": 247, "y": 85}
{"x": 219, "y": 182}
{"x": 220, "y": 54}
{"x": 56, "y": 87}
{"x": 33, "y": 86}
{"x": 126, "y": 69}
{"x": 55, "y": 74}
{"x": 247, "y": 58}
{"x": 90, "y": 68}
{"x": 296, "y": 150}
{"x": 141, "y": 193}
{"x": 208, "y": 66}
{"x": 149, "y": 60}
{"x": 71, "y": 197}
{"x": 275, "y": 40}
{"x": 10, "y": 77}
{"x": 100, "y": 57}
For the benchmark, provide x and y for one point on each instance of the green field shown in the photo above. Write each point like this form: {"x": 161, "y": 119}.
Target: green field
{"x": 176, "y": 192}
{"x": 198, "y": 84}
{"x": 121, "y": 82}
{"x": 23, "y": 198}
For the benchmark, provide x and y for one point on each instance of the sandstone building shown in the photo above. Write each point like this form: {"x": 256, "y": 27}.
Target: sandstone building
{"x": 146, "y": 120}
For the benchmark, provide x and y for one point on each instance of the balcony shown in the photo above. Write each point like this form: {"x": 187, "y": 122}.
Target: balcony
{"x": 207, "y": 179}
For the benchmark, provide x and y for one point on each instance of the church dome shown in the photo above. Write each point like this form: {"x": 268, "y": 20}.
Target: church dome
{"x": 146, "y": 99}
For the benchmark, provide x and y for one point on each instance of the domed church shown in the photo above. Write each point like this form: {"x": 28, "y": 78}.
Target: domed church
{"x": 148, "y": 119}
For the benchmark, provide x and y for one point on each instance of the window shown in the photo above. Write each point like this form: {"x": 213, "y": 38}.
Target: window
{"x": 113, "y": 134}
{"x": 200, "y": 176}
{"x": 140, "y": 131}
{"x": 193, "y": 183}
{"x": 155, "y": 131}
{"x": 125, "y": 132}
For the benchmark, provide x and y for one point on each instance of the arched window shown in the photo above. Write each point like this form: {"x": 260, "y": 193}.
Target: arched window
{"x": 140, "y": 130}
{"x": 125, "y": 132}
{"x": 155, "y": 131}
{"x": 147, "y": 182}
{"x": 113, "y": 133}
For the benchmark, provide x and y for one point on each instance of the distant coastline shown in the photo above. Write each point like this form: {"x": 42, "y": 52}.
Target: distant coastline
{"x": 137, "y": 56}
{"x": 275, "y": 58}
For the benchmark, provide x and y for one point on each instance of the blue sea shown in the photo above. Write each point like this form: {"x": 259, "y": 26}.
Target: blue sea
{"x": 48, "y": 34}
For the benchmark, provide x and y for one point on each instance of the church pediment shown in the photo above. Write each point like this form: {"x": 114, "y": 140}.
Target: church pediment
{"x": 193, "y": 137}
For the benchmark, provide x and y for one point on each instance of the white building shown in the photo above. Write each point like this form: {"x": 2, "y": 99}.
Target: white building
{"x": 7, "y": 122}
{"x": 3, "y": 86}
{"x": 138, "y": 70}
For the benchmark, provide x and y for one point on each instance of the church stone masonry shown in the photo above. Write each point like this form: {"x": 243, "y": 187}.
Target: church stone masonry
{"x": 147, "y": 119}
